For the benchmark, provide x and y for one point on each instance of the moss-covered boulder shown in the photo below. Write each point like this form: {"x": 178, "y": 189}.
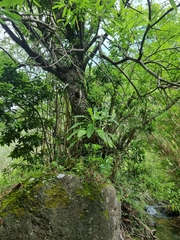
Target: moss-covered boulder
{"x": 61, "y": 207}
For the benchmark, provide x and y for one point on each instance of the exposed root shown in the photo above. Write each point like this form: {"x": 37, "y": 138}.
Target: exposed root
{"x": 134, "y": 226}
{"x": 150, "y": 232}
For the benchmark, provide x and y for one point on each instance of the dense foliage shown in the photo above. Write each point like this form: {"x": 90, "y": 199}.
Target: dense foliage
{"x": 88, "y": 86}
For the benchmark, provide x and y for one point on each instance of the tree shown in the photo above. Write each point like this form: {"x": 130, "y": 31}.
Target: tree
{"x": 129, "y": 51}
{"x": 35, "y": 112}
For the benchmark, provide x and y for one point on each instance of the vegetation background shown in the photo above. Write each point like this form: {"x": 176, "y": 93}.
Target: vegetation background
{"x": 92, "y": 88}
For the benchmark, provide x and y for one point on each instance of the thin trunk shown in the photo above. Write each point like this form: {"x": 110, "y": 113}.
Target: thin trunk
{"x": 67, "y": 121}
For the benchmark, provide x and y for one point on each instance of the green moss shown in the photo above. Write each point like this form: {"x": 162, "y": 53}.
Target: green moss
{"x": 56, "y": 195}
{"x": 11, "y": 204}
{"x": 82, "y": 215}
{"x": 106, "y": 214}
{"x": 91, "y": 190}
{"x": 29, "y": 195}
{"x": 22, "y": 194}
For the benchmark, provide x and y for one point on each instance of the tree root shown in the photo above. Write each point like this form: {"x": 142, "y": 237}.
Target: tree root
{"x": 134, "y": 226}
{"x": 151, "y": 232}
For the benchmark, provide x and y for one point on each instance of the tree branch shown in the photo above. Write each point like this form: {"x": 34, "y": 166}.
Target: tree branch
{"x": 32, "y": 54}
{"x": 8, "y": 55}
{"x": 160, "y": 79}
{"x": 146, "y": 32}
{"x": 168, "y": 11}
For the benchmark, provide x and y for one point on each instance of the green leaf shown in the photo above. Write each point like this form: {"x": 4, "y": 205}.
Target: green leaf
{"x": 1, "y": 21}
{"x": 110, "y": 142}
{"x": 111, "y": 3}
{"x": 101, "y": 134}
{"x": 36, "y": 3}
{"x": 90, "y": 130}
{"x": 64, "y": 12}
{"x": 9, "y": 3}
{"x": 10, "y": 15}
{"x": 81, "y": 133}
{"x": 173, "y": 4}
{"x": 72, "y": 144}
{"x": 113, "y": 136}
{"x": 59, "y": 6}
{"x": 75, "y": 125}
{"x": 72, "y": 134}
{"x": 90, "y": 111}
{"x": 108, "y": 31}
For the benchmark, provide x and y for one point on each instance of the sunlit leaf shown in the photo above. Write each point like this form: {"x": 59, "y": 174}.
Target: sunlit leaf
{"x": 173, "y": 4}
{"x": 108, "y": 31}
{"x": 81, "y": 133}
{"x": 90, "y": 111}
{"x": 10, "y": 15}
{"x": 36, "y": 3}
{"x": 9, "y": 3}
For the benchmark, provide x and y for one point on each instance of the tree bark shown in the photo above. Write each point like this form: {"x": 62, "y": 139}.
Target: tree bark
{"x": 77, "y": 93}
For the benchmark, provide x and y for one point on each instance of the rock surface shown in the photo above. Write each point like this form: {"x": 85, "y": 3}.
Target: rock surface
{"x": 61, "y": 207}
